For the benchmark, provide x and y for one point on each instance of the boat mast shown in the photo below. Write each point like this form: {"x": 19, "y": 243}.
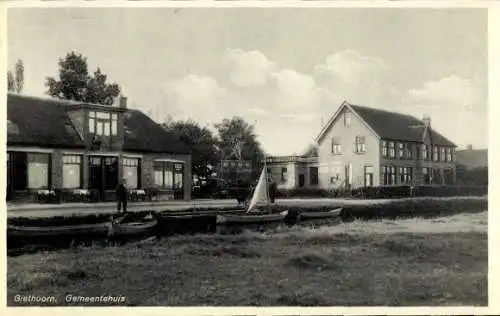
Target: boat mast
{"x": 268, "y": 199}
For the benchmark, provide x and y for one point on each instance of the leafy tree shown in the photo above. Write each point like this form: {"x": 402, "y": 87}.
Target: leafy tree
{"x": 19, "y": 76}
{"x": 75, "y": 82}
{"x": 11, "y": 83}
{"x": 15, "y": 83}
{"x": 311, "y": 151}
{"x": 237, "y": 140}
{"x": 201, "y": 141}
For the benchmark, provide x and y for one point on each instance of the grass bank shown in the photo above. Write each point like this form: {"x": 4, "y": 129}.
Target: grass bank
{"x": 288, "y": 267}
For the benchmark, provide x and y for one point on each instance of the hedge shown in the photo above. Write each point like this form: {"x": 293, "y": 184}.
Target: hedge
{"x": 414, "y": 208}
{"x": 386, "y": 192}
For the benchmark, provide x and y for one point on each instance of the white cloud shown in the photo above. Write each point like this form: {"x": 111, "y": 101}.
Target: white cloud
{"x": 456, "y": 107}
{"x": 351, "y": 67}
{"x": 247, "y": 68}
{"x": 198, "y": 97}
{"x": 356, "y": 78}
{"x": 287, "y": 106}
{"x": 258, "y": 111}
{"x": 461, "y": 94}
{"x": 194, "y": 90}
{"x": 292, "y": 91}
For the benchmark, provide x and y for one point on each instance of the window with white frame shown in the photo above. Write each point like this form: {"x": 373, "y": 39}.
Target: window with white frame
{"x": 336, "y": 146}
{"x": 409, "y": 151}
{"x": 38, "y": 170}
{"x": 426, "y": 176}
{"x": 131, "y": 172}
{"x": 443, "y": 154}
{"x": 360, "y": 144}
{"x": 385, "y": 148}
{"x": 164, "y": 175}
{"x": 401, "y": 150}
{"x": 435, "y": 153}
{"x": 103, "y": 123}
{"x": 178, "y": 175}
{"x": 424, "y": 149}
{"x": 72, "y": 171}
{"x": 388, "y": 175}
{"x": 392, "y": 150}
{"x": 405, "y": 175}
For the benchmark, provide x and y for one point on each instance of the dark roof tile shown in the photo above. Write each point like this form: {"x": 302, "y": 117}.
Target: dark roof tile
{"x": 39, "y": 122}
{"x": 397, "y": 126}
{"x": 144, "y": 134}
{"x": 45, "y": 123}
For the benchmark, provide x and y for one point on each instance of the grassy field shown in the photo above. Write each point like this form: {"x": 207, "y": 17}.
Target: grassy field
{"x": 430, "y": 262}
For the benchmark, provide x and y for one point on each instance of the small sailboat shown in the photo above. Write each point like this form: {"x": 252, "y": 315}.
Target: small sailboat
{"x": 260, "y": 200}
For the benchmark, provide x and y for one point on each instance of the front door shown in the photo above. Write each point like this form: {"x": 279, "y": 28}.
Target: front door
{"x": 178, "y": 181}
{"x": 103, "y": 176}
{"x": 301, "y": 180}
{"x": 368, "y": 176}
{"x": 96, "y": 176}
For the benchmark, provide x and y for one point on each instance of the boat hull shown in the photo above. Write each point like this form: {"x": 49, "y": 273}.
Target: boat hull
{"x": 251, "y": 219}
{"x": 320, "y": 215}
{"x": 133, "y": 228}
{"x": 33, "y": 232}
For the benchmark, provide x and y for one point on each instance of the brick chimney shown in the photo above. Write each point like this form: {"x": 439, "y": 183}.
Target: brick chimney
{"x": 123, "y": 102}
{"x": 426, "y": 119}
{"x": 469, "y": 147}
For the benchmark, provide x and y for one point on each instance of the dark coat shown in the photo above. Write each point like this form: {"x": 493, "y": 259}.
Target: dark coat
{"x": 272, "y": 189}
{"x": 121, "y": 192}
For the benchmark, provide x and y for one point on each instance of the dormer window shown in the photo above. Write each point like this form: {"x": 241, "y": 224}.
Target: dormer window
{"x": 103, "y": 123}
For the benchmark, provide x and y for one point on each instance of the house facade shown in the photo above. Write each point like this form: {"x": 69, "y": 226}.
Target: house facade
{"x": 362, "y": 146}
{"x": 472, "y": 158}
{"x": 87, "y": 148}
{"x": 290, "y": 172}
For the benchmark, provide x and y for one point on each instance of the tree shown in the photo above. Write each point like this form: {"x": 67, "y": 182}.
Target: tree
{"x": 311, "y": 151}
{"x": 19, "y": 76}
{"x": 237, "y": 140}
{"x": 75, "y": 82}
{"x": 15, "y": 83}
{"x": 11, "y": 83}
{"x": 201, "y": 141}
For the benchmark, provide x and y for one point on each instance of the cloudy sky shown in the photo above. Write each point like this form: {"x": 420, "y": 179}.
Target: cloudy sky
{"x": 285, "y": 70}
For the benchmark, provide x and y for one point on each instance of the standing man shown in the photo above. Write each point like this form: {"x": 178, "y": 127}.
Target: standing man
{"x": 121, "y": 196}
{"x": 272, "y": 191}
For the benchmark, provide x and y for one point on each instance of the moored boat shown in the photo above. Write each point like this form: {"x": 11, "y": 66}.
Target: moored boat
{"x": 320, "y": 215}
{"x": 131, "y": 228}
{"x": 51, "y": 231}
{"x": 251, "y": 219}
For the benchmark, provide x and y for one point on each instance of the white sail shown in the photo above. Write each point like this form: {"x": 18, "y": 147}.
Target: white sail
{"x": 260, "y": 194}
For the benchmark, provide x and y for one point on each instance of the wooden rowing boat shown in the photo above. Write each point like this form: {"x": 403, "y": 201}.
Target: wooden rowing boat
{"x": 51, "y": 231}
{"x": 131, "y": 228}
{"x": 319, "y": 215}
{"x": 251, "y": 219}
